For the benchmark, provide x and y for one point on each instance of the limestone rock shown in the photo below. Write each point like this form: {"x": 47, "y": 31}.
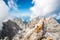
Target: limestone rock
{"x": 19, "y": 22}
{"x": 36, "y": 33}
{"x": 37, "y": 29}
{"x": 52, "y": 29}
{"x": 33, "y": 22}
{"x": 10, "y": 29}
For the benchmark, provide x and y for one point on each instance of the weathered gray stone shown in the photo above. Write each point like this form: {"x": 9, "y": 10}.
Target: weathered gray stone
{"x": 37, "y": 29}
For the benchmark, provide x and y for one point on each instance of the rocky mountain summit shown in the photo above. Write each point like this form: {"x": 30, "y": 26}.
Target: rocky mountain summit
{"x": 36, "y": 29}
{"x": 33, "y": 22}
{"x": 46, "y": 29}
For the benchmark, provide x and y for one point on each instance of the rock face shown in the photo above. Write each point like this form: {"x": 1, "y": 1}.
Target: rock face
{"x": 33, "y": 22}
{"x": 37, "y": 29}
{"x": 13, "y": 29}
{"x": 36, "y": 33}
{"x": 10, "y": 29}
{"x": 48, "y": 30}
{"x": 19, "y": 22}
{"x": 22, "y": 30}
{"x": 52, "y": 29}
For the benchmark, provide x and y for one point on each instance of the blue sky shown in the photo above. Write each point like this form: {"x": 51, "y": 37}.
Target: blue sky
{"x": 22, "y": 4}
{"x": 23, "y": 7}
{"x": 29, "y": 9}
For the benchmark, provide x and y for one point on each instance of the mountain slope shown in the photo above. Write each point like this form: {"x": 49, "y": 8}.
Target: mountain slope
{"x": 37, "y": 29}
{"x": 46, "y": 29}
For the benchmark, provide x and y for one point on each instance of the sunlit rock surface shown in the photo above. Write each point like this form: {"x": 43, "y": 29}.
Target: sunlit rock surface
{"x": 19, "y": 22}
{"x": 50, "y": 30}
{"x": 37, "y": 29}
{"x": 36, "y": 32}
{"x": 33, "y": 22}
{"x": 21, "y": 33}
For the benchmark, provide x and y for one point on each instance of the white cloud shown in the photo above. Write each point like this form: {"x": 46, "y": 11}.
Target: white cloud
{"x": 57, "y": 16}
{"x": 42, "y": 7}
{"x": 13, "y": 5}
{"x": 21, "y": 14}
{"x": 3, "y": 12}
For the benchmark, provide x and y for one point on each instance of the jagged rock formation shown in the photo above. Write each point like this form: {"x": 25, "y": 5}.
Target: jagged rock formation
{"x": 49, "y": 31}
{"x": 10, "y": 29}
{"x": 33, "y": 22}
{"x": 37, "y": 29}
{"x": 21, "y": 32}
{"x": 52, "y": 29}
{"x": 35, "y": 33}
{"x": 19, "y": 22}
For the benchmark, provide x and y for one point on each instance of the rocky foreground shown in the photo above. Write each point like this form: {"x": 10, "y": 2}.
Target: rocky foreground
{"x": 40, "y": 29}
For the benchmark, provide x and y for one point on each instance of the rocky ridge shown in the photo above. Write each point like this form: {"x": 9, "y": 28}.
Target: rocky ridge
{"x": 37, "y": 29}
{"x": 46, "y": 29}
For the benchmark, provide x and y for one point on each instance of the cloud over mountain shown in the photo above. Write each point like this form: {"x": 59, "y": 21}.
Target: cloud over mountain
{"x": 43, "y": 7}
{"x": 3, "y": 12}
